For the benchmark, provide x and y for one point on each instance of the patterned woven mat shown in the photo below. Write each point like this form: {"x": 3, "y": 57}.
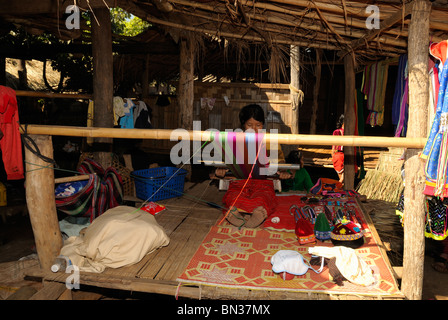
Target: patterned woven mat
{"x": 241, "y": 258}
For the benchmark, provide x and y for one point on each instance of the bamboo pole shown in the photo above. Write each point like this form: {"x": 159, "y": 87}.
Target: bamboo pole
{"x": 42, "y": 94}
{"x": 165, "y": 134}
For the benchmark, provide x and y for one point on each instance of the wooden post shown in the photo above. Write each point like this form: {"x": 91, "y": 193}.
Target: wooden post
{"x": 41, "y": 202}
{"x": 414, "y": 199}
{"x": 186, "y": 89}
{"x": 317, "y": 73}
{"x": 295, "y": 93}
{"x": 186, "y": 84}
{"x": 102, "y": 80}
{"x": 349, "y": 122}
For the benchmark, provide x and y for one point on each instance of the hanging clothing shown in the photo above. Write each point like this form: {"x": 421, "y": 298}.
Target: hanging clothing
{"x": 436, "y": 149}
{"x": 400, "y": 104}
{"x": 142, "y": 116}
{"x": 374, "y": 88}
{"x": 127, "y": 121}
{"x": 119, "y": 110}
{"x": 10, "y": 144}
{"x": 90, "y": 117}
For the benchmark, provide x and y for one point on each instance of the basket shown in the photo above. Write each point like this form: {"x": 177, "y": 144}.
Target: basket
{"x": 159, "y": 183}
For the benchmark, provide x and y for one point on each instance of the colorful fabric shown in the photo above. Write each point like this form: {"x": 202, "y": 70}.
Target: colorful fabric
{"x": 10, "y": 143}
{"x": 436, "y": 218}
{"x": 374, "y": 88}
{"x": 338, "y": 132}
{"x": 256, "y": 193}
{"x": 436, "y": 148}
{"x": 326, "y": 185}
{"x": 102, "y": 191}
{"x": 338, "y": 161}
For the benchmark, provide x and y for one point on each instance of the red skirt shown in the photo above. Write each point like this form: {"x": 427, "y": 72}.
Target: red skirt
{"x": 256, "y": 193}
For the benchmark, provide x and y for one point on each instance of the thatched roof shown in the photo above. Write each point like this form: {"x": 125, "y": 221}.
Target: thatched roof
{"x": 338, "y": 26}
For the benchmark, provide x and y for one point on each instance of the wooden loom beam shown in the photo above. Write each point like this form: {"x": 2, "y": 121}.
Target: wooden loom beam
{"x": 165, "y": 134}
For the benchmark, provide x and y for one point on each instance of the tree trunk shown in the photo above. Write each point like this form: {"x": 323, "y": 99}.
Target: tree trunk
{"x": 22, "y": 73}
{"x": 41, "y": 202}
{"x": 414, "y": 199}
{"x": 102, "y": 81}
{"x": 349, "y": 122}
{"x": 186, "y": 91}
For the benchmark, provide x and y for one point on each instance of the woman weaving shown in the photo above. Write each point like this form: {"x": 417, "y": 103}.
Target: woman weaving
{"x": 251, "y": 201}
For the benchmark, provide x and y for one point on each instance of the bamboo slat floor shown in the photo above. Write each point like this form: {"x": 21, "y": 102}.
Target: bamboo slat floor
{"x": 187, "y": 221}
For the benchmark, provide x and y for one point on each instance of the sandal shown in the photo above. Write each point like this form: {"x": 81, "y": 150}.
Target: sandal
{"x": 441, "y": 267}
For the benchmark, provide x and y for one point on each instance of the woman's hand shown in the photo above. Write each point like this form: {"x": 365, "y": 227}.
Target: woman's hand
{"x": 283, "y": 175}
{"x": 220, "y": 172}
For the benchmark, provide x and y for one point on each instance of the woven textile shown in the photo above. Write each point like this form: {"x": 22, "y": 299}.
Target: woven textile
{"x": 233, "y": 258}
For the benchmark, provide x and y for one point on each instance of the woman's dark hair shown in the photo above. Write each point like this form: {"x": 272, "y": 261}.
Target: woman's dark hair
{"x": 294, "y": 157}
{"x": 251, "y": 111}
{"x": 340, "y": 122}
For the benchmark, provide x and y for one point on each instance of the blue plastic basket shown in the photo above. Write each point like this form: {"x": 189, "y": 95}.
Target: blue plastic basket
{"x": 159, "y": 183}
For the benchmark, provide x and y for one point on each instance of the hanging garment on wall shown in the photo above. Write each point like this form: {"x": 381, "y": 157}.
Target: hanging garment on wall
{"x": 119, "y": 110}
{"x": 374, "y": 88}
{"x": 10, "y": 144}
{"x": 90, "y": 117}
{"x": 142, "y": 116}
{"x": 127, "y": 121}
{"x": 436, "y": 149}
{"x": 400, "y": 100}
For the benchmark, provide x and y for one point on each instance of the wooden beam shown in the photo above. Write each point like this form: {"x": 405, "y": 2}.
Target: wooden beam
{"x": 414, "y": 199}
{"x": 41, "y": 201}
{"x": 23, "y": 7}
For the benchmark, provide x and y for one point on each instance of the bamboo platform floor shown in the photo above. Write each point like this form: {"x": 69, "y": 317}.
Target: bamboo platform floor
{"x": 187, "y": 221}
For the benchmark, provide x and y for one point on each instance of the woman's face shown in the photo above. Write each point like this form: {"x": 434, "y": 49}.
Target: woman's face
{"x": 253, "y": 124}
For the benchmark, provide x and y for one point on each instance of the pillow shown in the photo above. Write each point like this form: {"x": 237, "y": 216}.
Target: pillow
{"x": 121, "y": 236}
